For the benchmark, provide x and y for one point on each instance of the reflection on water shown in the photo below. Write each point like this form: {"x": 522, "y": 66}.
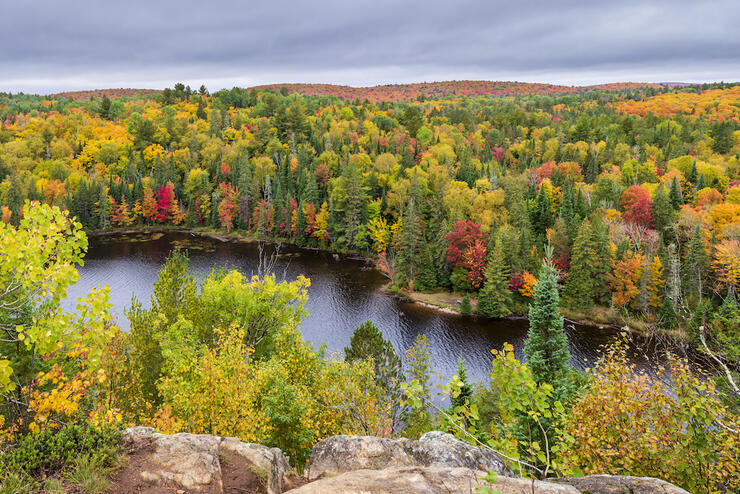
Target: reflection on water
{"x": 343, "y": 294}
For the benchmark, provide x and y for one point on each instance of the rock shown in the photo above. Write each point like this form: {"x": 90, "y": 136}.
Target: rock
{"x": 181, "y": 460}
{"x": 193, "y": 462}
{"x": 339, "y": 454}
{"x": 426, "y": 480}
{"x": 615, "y": 484}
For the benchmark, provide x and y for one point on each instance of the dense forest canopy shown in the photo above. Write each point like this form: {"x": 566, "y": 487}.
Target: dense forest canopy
{"x": 616, "y": 202}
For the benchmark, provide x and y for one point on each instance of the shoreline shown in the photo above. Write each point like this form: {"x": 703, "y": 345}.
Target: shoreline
{"x": 443, "y": 302}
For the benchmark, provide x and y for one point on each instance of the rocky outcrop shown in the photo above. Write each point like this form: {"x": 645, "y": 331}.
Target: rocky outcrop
{"x": 192, "y": 462}
{"x": 425, "y": 480}
{"x": 340, "y": 454}
{"x": 436, "y": 463}
{"x": 615, "y": 484}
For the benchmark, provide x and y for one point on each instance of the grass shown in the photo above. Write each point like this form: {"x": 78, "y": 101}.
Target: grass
{"x": 16, "y": 483}
{"x": 54, "y": 486}
{"x": 89, "y": 474}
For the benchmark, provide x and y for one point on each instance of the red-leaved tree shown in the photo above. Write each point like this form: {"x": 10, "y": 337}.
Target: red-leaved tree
{"x": 637, "y": 206}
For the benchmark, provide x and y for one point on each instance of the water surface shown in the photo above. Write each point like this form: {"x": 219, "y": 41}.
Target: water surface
{"x": 344, "y": 293}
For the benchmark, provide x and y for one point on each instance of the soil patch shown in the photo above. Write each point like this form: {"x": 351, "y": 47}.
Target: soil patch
{"x": 127, "y": 479}
{"x": 241, "y": 476}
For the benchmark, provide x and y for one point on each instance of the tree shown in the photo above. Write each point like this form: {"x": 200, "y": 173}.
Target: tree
{"x": 656, "y": 284}
{"x": 628, "y": 421}
{"x": 546, "y": 346}
{"x": 722, "y": 138}
{"x": 367, "y": 343}
{"x": 637, "y": 206}
{"x": 662, "y": 212}
{"x": 465, "y": 307}
{"x": 418, "y": 420}
{"x": 37, "y": 264}
{"x": 105, "y": 108}
{"x": 495, "y": 300}
{"x": 694, "y": 264}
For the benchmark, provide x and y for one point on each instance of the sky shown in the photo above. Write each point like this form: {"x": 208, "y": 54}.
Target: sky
{"x": 53, "y": 45}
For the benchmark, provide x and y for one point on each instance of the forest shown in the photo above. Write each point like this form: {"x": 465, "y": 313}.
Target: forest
{"x": 619, "y": 204}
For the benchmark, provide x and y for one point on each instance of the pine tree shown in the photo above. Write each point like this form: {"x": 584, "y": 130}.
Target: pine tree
{"x": 546, "y": 346}
{"x": 368, "y": 342}
{"x": 494, "y": 299}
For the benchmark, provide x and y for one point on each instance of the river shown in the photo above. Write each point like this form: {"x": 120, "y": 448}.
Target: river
{"x": 344, "y": 293}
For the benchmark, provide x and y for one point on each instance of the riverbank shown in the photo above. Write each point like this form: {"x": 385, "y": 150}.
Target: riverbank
{"x": 445, "y": 302}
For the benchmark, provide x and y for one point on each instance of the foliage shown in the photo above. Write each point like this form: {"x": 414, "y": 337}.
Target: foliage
{"x": 49, "y": 357}
{"x": 627, "y": 423}
{"x": 49, "y": 451}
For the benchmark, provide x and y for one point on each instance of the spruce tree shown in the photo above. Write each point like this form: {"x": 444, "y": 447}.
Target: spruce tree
{"x": 494, "y": 299}
{"x": 546, "y": 346}
{"x": 579, "y": 284}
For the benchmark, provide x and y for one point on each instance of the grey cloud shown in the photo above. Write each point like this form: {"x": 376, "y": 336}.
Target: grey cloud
{"x": 52, "y": 45}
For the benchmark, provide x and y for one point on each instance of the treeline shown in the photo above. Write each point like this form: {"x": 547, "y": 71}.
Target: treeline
{"x": 642, "y": 212}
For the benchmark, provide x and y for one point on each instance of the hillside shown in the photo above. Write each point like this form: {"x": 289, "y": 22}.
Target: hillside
{"x": 401, "y": 92}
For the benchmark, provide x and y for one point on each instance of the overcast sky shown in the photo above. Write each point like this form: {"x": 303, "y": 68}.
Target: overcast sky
{"x": 55, "y": 45}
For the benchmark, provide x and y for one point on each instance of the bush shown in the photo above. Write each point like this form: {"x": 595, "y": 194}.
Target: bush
{"x": 49, "y": 451}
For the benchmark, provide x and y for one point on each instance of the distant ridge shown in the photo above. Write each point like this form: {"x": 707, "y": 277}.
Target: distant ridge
{"x": 401, "y": 92}
{"x": 395, "y": 92}
{"x": 99, "y": 93}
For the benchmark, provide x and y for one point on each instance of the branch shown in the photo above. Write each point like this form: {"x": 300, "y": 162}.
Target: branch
{"x": 719, "y": 361}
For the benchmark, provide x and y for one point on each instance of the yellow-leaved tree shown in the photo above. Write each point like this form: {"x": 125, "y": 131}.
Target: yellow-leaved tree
{"x": 49, "y": 358}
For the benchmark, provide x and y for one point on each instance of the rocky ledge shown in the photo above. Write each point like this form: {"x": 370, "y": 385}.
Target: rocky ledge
{"x": 437, "y": 463}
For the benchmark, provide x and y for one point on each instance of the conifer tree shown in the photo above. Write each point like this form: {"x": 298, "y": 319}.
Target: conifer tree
{"x": 546, "y": 346}
{"x": 494, "y": 299}
{"x": 675, "y": 195}
{"x": 663, "y": 212}
{"x": 579, "y": 284}
{"x": 368, "y": 342}
{"x": 694, "y": 264}
{"x": 465, "y": 307}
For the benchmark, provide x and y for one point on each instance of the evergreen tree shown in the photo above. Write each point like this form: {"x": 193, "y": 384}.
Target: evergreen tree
{"x": 667, "y": 314}
{"x": 368, "y": 342}
{"x": 693, "y": 173}
{"x": 407, "y": 253}
{"x": 675, "y": 195}
{"x": 466, "y": 391}
{"x": 663, "y": 212}
{"x": 465, "y": 308}
{"x": 494, "y": 299}
{"x": 579, "y": 284}
{"x": 694, "y": 264}
{"x": 546, "y": 346}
